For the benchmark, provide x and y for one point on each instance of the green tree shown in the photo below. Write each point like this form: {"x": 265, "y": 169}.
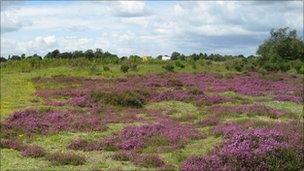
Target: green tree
{"x": 283, "y": 44}
{"x": 175, "y": 55}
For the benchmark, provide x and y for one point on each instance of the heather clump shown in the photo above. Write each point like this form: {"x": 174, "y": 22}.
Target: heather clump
{"x": 251, "y": 149}
{"x": 79, "y": 144}
{"x": 210, "y": 121}
{"x": 11, "y": 143}
{"x": 33, "y": 122}
{"x": 165, "y": 132}
{"x": 148, "y": 161}
{"x": 291, "y": 98}
{"x": 33, "y": 151}
{"x": 66, "y": 158}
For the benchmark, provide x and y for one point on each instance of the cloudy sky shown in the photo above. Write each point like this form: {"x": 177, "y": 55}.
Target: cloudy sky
{"x": 144, "y": 27}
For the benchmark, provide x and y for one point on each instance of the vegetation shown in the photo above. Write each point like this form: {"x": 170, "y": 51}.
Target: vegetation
{"x": 95, "y": 111}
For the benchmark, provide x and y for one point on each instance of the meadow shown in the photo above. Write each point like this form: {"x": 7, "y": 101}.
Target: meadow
{"x": 63, "y": 114}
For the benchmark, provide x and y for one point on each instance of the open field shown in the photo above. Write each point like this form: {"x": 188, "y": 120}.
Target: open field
{"x": 202, "y": 118}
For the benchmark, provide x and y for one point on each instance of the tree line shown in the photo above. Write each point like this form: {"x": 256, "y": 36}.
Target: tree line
{"x": 282, "y": 50}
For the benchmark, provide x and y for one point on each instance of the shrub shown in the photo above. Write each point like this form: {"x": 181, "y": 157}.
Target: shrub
{"x": 210, "y": 121}
{"x": 121, "y": 156}
{"x": 67, "y": 158}
{"x": 276, "y": 148}
{"x": 133, "y": 66}
{"x": 126, "y": 99}
{"x": 124, "y": 68}
{"x": 11, "y": 144}
{"x": 169, "y": 67}
{"x": 33, "y": 151}
{"x": 106, "y": 68}
{"x": 94, "y": 70}
{"x": 78, "y": 144}
{"x": 179, "y": 64}
{"x": 149, "y": 161}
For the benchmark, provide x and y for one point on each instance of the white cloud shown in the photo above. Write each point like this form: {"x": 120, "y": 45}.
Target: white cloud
{"x": 129, "y": 8}
{"x": 146, "y": 28}
{"x": 10, "y": 22}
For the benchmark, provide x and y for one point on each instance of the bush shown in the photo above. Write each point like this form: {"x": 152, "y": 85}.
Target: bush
{"x": 149, "y": 161}
{"x": 94, "y": 70}
{"x": 106, "y": 68}
{"x": 68, "y": 158}
{"x": 133, "y": 66}
{"x": 11, "y": 144}
{"x": 78, "y": 144}
{"x": 120, "y": 156}
{"x": 179, "y": 64}
{"x": 126, "y": 99}
{"x": 33, "y": 151}
{"x": 169, "y": 67}
{"x": 124, "y": 68}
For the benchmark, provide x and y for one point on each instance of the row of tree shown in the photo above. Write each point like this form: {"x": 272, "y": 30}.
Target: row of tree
{"x": 281, "y": 47}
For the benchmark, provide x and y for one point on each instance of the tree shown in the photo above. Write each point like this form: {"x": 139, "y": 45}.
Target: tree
{"x": 282, "y": 44}
{"x": 159, "y": 57}
{"x": 175, "y": 55}
{"x": 2, "y": 59}
{"x": 53, "y": 54}
{"x": 89, "y": 54}
{"x": 15, "y": 57}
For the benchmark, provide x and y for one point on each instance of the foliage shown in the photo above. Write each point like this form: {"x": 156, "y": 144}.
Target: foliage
{"x": 33, "y": 151}
{"x": 124, "y": 68}
{"x": 169, "y": 67}
{"x": 66, "y": 158}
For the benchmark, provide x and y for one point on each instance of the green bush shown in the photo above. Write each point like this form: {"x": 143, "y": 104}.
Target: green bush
{"x": 133, "y": 66}
{"x": 169, "y": 67}
{"x": 106, "y": 68}
{"x": 126, "y": 99}
{"x": 179, "y": 64}
{"x": 124, "y": 68}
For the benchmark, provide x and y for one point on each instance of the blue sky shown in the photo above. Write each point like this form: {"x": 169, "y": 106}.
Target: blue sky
{"x": 144, "y": 27}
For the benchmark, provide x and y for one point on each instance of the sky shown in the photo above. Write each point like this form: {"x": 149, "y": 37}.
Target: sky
{"x": 144, "y": 27}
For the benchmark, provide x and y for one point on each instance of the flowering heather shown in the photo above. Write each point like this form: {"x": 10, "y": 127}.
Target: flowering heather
{"x": 253, "y": 149}
{"x": 55, "y": 103}
{"x": 33, "y": 151}
{"x": 210, "y": 121}
{"x": 148, "y": 161}
{"x": 291, "y": 98}
{"x": 248, "y": 109}
{"x": 135, "y": 137}
{"x": 11, "y": 143}
{"x": 68, "y": 158}
{"x": 31, "y": 121}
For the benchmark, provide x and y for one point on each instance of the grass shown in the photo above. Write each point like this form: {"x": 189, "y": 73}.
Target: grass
{"x": 194, "y": 148}
{"x": 61, "y": 140}
{"x": 178, "y": 110}
{"x": 12, "y": 160}
{"x": 18, "y": 91}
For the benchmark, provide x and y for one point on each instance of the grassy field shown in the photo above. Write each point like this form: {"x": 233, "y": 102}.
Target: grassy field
{"x": 173, "y": 116}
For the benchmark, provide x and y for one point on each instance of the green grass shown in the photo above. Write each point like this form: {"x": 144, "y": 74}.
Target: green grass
{"x": 194, "y": 148}
{"x": 96, "y": 160}
{"x": 61, "y": 140}
{"x": 176, "y": 109}
{"x": 17, "y": 90}
{"x": 289, "y": 106}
